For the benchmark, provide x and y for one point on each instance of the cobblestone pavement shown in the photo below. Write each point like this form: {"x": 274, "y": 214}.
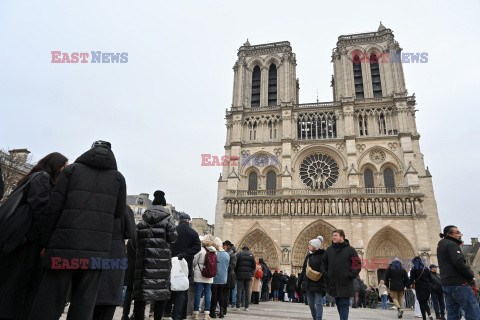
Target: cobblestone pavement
{"x": 283, "y": 310}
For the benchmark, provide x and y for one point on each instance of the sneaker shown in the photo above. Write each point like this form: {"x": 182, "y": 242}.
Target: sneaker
{"x": 236, "y": 309}
{"x": 245, "y": 309}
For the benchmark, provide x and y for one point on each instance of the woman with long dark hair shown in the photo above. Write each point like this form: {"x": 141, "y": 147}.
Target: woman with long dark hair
{"x": 20, "y": 272}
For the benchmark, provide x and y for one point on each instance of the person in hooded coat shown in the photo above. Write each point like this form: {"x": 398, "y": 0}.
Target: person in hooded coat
{"x": 21, "y": 271}
{"x": 342, "y": 265}
{"x": 420, "y": 276}
{"x": 77, "y": 232}
{"x": 109, "y": 294}
{"x": 315, "y": 290}
{"x": 256, "y": 284}
{"x": 396, "y": 279}
{"x": 267, "y": 275}
{"x": 153, "y": 261}
{"x": 291, "y": 285}
{"x": 276, "y": 284}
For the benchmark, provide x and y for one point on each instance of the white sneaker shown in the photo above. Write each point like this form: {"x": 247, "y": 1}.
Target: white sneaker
{"x": 245, "y": 309}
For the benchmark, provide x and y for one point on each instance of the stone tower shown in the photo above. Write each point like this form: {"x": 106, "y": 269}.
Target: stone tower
{"x": 304, "y": 170}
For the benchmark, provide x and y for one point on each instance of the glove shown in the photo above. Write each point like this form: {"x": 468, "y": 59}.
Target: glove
{"x": 180, "y": 256}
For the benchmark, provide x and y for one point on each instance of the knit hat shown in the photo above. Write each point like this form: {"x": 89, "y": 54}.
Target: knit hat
{"x": 159, "y": 198}
{"x": 101, "y": 143}
{"x": 218, "y": 242}
{"x": 316, "y": 243}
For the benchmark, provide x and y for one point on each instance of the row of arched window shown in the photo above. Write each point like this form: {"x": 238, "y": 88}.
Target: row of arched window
{"x": 375, "y": 76}
{"x": 271, "y": 181}
{"x": 257, "y": 86}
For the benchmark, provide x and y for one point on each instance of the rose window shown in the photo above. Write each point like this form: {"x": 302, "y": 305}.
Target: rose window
{"x": 319, "y": 171}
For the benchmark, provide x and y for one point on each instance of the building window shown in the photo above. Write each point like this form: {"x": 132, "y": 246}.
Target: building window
{"x": 272, "y": 85}
{"x": 252, "y": 182}
{"x": 368, "y": 179}
{"x": 271, "y": 182}
{"x": 382, "y": 124}
{"x": 362, "y": 125}
{"x": 256, "y": 79}
{"x": 375, "y": 72}
{"x": 389, "y": 180}
{"x": 357, "y": 77}
{"x": 317, "y": 126}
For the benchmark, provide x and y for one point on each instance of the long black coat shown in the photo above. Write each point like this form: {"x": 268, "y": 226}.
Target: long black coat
{"x": 315, "y": 261}
{"x": 276, "y": 281}
{"x": 291, "y": 283}
{"x": 396, "y": 278}
{"x": 337, "y": 263}
{"x": 188, "y": 244}
{"x": 131, "y": 257}
{"x": 20, "y": 272}
{"x": 88, "y": 195}
{"x": 111, "y": 285}
{"x": 246, "y": 265}
{"x": 153, "y": 262}
{"x": 422, "y": 285}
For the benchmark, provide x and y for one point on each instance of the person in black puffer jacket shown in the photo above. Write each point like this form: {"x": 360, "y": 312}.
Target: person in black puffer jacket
{"x": 244, "y": 271}
{"x": 153, "y": 262}
{"x": 276, "y": 284}
{"x": 291, "y": 284}
{"x": 77, "y": 232}
{"x": 315, "y": 290}
{"x": 396, "y": 279}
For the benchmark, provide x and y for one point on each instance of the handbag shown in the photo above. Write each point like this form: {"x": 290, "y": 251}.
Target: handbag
{"x": 179, "y": 275}
{"x": 413, "y": 285}
{"x": 15, "y": 219}
{"x": 312, "y": 274}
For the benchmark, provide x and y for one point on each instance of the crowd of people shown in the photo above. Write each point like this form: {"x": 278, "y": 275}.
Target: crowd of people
{"x": 71, "y": 239}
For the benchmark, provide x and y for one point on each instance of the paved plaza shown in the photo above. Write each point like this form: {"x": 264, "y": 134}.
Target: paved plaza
{"x": 283, "y": 310}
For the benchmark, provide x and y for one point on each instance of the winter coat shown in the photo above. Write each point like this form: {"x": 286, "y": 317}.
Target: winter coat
{"x": 256, "y": 281}
{"x": 231, "y": 281}
{"x": 436, "y": 282}
{"x": 187, "y": 245}
{"x": 276, "y": 281}
{"x": 246, "y": 265}
{"x": 382, "y": 289}
{"x": 264, "y": 269}
{"x": 291, "y": 283}
{"x": 315, "y": 260}
{"x": 222, "y": 267}
{"x": 21, "y": 271}
{"x": 131, "y": 257}
{"x": 452, "y": 263}
{"x": 357, "y": 284}
{"x": 422, "y": 281}
{"x": 396, "y": 278}
{"x": 199, "y": 262}
{"x": 111, "y": 285}
{"x": 89, "y": 194}
{"x": 337, "y": 263}
{"x": 154, "y": 260}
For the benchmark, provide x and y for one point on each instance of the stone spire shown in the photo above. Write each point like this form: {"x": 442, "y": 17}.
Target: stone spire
{"x": 381, "y": 27}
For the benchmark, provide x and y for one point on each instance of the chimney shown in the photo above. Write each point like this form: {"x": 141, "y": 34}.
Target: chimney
{"x": 144, "y": 195}
{"x": 474, "y": 242}
{"x": 19, "y": 154}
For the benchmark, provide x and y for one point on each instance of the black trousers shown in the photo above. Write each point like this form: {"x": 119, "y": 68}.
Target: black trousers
{"x": 265, "y": 295}
{"x": 139, "y": 309}
{"x": 424, "y": 308}
{"x": 103, "y": 312}
{"x": 220, "y": 296}
{"x": 53, "y": 289}
{"x": 127, "y": 302}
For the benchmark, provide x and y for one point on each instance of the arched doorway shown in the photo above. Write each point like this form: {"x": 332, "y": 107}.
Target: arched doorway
{"x": 315, "y": 229}
{"x": 262, "y": 246}
{"x": 385, "y": 245}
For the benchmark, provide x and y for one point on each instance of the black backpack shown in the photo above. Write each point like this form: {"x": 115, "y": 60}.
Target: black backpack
{"x": 15, "y": 219}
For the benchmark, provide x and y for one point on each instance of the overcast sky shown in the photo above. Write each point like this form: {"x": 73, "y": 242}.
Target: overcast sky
{"x": 166, "y": 106}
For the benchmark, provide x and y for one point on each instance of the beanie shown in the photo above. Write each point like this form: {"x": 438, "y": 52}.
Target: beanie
{"x": 316, "y": 243}
{"x": 159, "y": 198}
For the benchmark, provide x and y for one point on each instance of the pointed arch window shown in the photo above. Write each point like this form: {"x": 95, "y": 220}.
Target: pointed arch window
{"x": 271, "y": 182}
{"x": 389, "y": 180}
{"x": 362, "y": 125}
{"x": 375, "y": 72}
{"x": 357, "y": 77}
{"x": 272, "y": 85}
{"x": 252, "y": 182}
{"x": 256, "y": 79}
{"x": 368, "y": 179}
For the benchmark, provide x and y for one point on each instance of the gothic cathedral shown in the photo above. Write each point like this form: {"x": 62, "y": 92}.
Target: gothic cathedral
{"x": 306, "y": 169}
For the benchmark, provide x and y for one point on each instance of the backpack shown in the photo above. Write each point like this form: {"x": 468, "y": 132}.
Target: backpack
{"x": 259, "y": 274}
{"x": 210, "y": 265}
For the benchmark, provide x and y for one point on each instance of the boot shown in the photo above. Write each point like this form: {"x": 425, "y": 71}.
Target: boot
{"x": 206, "y": 315}
{"x": 195, "y": 315}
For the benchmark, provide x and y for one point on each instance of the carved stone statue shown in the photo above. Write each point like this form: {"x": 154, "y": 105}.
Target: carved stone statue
{"x": 392, "y": 206}
{"x": 340, "y": 207}
{"x": 285, "y": 207}
{"x": 418, "y": 206}
{"x": 248, "y": 208}
{"x": 334, "y": 207}
{"x": 369, "y": 207}
{"x": 362, "y": 206}
{"x": 229, "y": 207}
{"x": 327, "y": 207}
{"x": 347, "y": 206}
{"x": 399, "y": 206}
{"x": 260, "y": 207}
{"x": 320, "y": 207}
{"x": 312, "y": 207}
{"x": 292, "y": 207}
{"x": 355, "y": 206}
{"x": 408, "y": 206}
{"x": 378, "y": 209}
{"x": 385, "y": 206}
{"x": 285, "y": 256}
{"x": 242, "y": 208}
{"x": 306, "y": 207}
{"x": 254, "y": 208}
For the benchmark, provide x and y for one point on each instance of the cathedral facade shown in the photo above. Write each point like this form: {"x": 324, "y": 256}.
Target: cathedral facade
{"x": 304, "y": 170}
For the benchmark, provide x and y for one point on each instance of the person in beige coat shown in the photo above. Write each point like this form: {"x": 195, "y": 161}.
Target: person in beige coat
{"x": 256, "y": 284}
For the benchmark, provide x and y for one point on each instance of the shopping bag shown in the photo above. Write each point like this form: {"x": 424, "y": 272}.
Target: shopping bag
{"x": 179, "y": 275}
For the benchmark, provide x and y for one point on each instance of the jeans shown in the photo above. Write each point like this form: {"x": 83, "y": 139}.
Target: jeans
{"x": 438, "y": 304}
{"x": 275, "y": 294}
{"x": 234, "y": 295}
{"x": 315, "y": 300}
{"x": 243, "y": 293}
{"x": 343, "y": 304}
{"x": 291, "y": 295}
{"x": 464, "y": 298}
{"x": 199, "y": 288}
{"x": 384, "y": 302}
{"x": 178, "y": 300}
